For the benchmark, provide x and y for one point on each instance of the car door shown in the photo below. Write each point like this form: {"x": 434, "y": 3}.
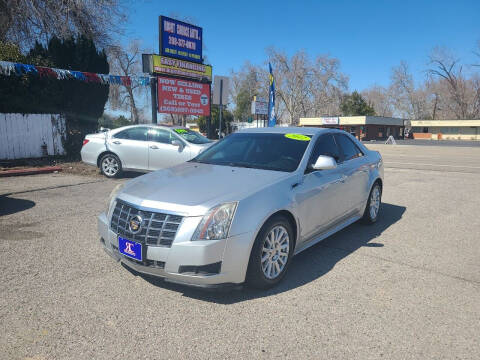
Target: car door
{"x": 161, "y": 153}
{"x": 354, "y": 167}
{"x": 319, "y": 196}
{"x": 131, "y": 147}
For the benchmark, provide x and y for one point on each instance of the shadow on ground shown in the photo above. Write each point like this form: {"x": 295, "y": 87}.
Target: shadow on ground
{"x": 131, "y": 174}
{"x": 10, "y": 205}
{"x": 306, "y": 266}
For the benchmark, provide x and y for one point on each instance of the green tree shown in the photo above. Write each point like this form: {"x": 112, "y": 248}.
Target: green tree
{"x": 227, "y": 118}
{"x": 81, "y": 102}
{"x": 355, "y": 105}
{"x": 243, "y": 107}
{"x": 111, "y": 122}
{"x": 10, "y": 52}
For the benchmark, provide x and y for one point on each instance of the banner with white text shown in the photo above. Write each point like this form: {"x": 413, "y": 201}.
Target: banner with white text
{"x": 176, "y": 96}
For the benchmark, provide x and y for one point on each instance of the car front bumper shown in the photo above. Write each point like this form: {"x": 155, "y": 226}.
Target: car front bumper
{"x": 188, "y": 262}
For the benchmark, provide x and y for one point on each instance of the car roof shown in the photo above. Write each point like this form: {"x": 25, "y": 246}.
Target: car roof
{"x": 286, "y": 130}
{"x": 166, "y": 126}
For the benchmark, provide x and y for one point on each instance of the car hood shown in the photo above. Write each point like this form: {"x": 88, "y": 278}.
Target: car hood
{"x": 194, "y": 188}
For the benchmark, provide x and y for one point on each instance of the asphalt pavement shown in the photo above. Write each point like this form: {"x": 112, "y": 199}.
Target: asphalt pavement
{"x": 420, "y": 142}
{"x": 407, "y": 287}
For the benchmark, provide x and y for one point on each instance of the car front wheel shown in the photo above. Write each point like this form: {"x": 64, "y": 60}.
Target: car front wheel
{"x": 110, "y": 165}
{"x": 271, "y": 253}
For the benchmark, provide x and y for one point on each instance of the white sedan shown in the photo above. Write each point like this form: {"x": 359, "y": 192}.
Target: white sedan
{"x": 141, "y": 148}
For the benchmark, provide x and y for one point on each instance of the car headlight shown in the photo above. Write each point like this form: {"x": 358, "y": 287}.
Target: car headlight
{"x": 215, "y": 225}
{"x": 113, "y": 195}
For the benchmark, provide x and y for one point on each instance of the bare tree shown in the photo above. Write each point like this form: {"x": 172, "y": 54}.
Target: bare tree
{"x": 292, "y": 83}
{"x": 126, "y": 62}
{"x": 25, "y": 21}
{"x": 303, "y": 87}
{"x": 328, "y": 86}
{"x": 408, "y": 101}
{"x": 380, "y": 99}
{"x": 459, "y": 92}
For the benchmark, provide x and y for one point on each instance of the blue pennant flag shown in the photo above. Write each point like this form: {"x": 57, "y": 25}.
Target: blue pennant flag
{"x": 272, "y": 117}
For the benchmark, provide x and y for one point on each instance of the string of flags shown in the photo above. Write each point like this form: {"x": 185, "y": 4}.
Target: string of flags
{"x": 10, "y": 68}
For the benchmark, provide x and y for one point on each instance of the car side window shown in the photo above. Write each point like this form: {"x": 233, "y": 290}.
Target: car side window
{"x": 326, "y": 146}
{"x": 136, "y": 133}
{"x": 349, "y": 149}
{"x": 160, "y": 136}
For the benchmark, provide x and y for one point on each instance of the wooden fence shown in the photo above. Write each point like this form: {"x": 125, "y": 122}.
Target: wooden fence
{"x": 31, "y": 135}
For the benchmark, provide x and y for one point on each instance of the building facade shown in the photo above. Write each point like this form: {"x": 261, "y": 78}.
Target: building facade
{"x": 362, "y": 127}
{"x": 446, "y": 129}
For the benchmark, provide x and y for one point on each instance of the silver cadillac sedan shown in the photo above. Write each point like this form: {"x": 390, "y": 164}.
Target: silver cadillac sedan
{"x": 240, "y": 210}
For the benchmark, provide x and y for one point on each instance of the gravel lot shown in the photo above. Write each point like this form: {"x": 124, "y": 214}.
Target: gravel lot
{"x": 407, "y": 287}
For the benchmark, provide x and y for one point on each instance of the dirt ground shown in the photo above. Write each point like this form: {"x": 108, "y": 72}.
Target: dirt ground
{"x": 68, "y": 165}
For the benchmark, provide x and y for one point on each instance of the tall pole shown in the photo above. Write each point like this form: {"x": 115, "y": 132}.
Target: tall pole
{"x": 209, "y": 117}
{"x": 153, "y": 90}
{"x": 221, "y": 107}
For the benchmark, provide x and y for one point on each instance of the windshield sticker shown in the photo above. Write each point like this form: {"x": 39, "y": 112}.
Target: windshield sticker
{"x": 181, "y": 131}
{"x": 299, "y": 137}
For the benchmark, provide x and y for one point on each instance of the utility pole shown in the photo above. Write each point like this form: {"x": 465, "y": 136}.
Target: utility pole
{"x": 209, "y": 117}
{"x": 153, "y": 91}
{"x": 220, "y": 110}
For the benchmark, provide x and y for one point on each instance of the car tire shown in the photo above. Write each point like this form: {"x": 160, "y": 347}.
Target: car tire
{"x": 370, "y": 215}
{"x": 110, "y": 165}
{"x": 274, "y": 235}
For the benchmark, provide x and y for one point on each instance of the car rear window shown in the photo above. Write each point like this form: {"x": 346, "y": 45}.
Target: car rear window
{"x": 136, "y": 133}
{"x": 349, "y": 149}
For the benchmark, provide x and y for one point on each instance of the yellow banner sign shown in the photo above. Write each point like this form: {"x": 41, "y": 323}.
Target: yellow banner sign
{"x": 176, "y": 67}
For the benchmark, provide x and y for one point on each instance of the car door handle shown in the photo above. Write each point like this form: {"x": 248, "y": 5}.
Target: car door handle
{"x": 117, "y": 142}
{"x": 153, "y": 147}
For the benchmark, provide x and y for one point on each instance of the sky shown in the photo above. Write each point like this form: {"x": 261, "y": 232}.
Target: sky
{"x": 368, "y": 37}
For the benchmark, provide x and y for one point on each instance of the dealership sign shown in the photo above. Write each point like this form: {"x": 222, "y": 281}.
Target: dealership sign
{"x": 176, "y": 96}
{"x": 180, "y": 40}
{"x": 177, "y": 67}
{"x": 331, "y": 120}
{"x": 259, "y": 106}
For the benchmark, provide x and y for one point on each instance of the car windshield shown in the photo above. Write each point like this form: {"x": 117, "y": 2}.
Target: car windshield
{"x": 280, "y": 152}
{"x": 192, "y": 136}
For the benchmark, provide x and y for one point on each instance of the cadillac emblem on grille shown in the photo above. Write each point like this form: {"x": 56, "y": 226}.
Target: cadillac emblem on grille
{"x": 135, "y": 224}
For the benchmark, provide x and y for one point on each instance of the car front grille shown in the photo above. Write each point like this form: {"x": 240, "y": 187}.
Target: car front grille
{"x": 157, "y": 228}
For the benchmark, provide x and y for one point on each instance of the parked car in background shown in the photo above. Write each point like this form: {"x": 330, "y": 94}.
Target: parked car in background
{"x": 142, "y": 148}
{"x": 266, "y": 195}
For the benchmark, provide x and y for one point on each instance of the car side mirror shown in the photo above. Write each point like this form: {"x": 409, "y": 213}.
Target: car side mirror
{"x": 324, "y": 163}
{"x": 178, "y": 143}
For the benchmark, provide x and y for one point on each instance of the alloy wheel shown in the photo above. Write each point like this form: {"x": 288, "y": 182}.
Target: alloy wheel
{"x": 275, "y": 252}
{"x": 110, "y": 166}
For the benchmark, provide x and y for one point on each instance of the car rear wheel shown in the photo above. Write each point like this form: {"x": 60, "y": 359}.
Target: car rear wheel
{"x": 271, "y": 253}
{"x": 370, "y": 214}
{"x": 110, "y": 165}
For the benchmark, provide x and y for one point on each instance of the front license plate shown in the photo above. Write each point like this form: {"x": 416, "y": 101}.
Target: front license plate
{"x": 130, "y": 248}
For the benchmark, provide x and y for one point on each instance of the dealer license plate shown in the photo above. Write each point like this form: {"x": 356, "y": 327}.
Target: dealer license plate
{"x": 130, "y": 248}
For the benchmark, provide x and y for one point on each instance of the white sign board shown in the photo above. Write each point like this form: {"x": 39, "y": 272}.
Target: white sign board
{"x": 331, "y": 120}
{"x": 259, "y": 106}
{"x": 225, "y": 89}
